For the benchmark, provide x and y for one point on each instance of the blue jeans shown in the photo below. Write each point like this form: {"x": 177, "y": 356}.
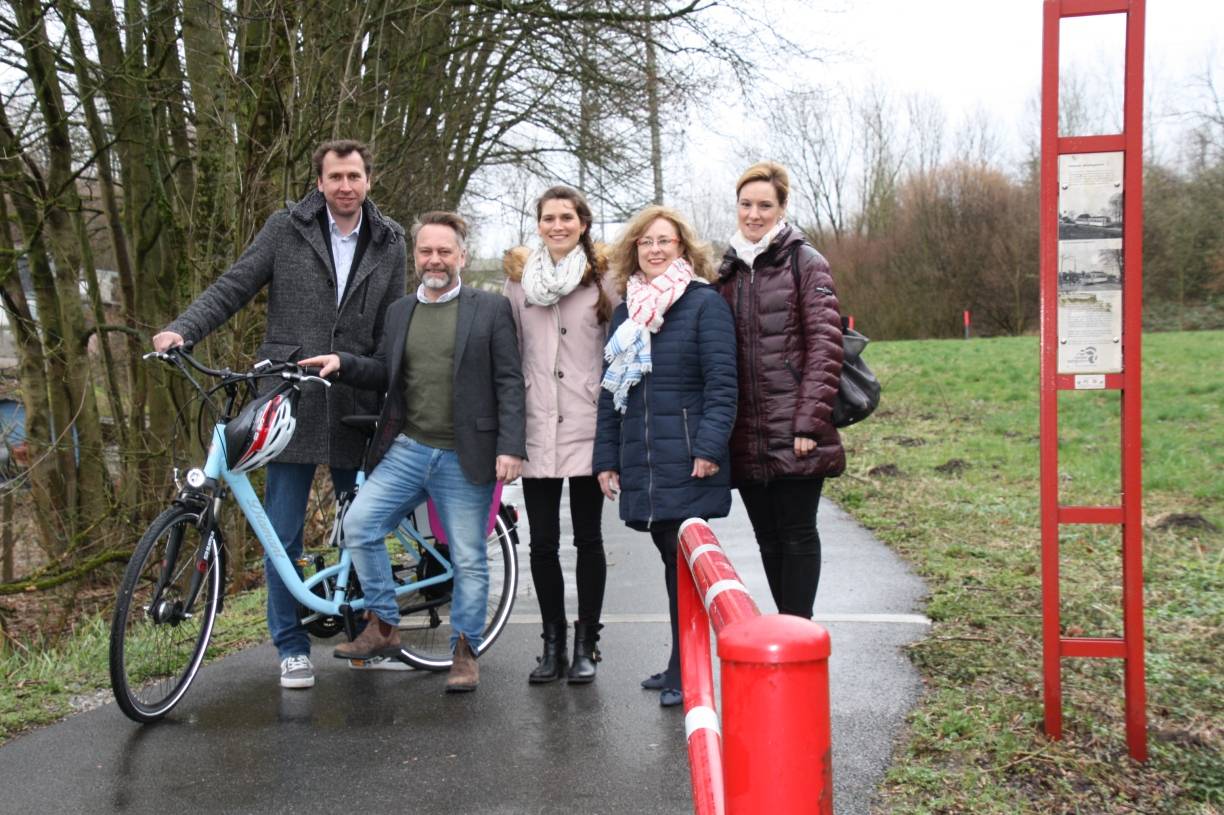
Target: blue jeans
{"x": 285, "y": 495}
{"x": 408, "y": 474}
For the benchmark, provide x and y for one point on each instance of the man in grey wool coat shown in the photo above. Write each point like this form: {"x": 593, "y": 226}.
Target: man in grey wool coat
{"x": 332, "y": 264}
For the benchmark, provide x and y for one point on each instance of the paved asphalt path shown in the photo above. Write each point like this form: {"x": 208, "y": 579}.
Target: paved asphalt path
{"x": 366, "y": 741}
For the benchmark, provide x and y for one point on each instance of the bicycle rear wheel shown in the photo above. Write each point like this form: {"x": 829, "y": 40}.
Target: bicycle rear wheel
{"x": 426, "y": 639}
{"x": 163, "y": 615}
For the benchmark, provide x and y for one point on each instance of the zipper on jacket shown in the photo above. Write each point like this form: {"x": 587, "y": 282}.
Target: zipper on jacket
{"x": 754, "y": 330}
{"x": 687, "y": 439}
{"x": 621, "y": 469}
{"x": 556, "y": 383}
{"x": 646, "y": 437}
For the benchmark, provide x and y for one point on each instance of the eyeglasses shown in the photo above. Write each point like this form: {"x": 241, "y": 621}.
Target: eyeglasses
{"x": 651, "y": 243}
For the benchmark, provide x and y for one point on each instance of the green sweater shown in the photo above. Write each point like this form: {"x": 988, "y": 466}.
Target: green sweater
{"x": 429, "y": 374}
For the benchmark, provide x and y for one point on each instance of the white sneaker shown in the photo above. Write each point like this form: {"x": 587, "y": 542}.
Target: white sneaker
{"x": 379, "y": 664}
{"x": 297, "y": 672}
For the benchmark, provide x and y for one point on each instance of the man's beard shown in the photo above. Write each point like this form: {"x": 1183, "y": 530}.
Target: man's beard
{"x": 430, "y": 280}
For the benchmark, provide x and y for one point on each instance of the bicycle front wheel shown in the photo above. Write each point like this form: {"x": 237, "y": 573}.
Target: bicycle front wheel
{"x": 426, "y": 638}
{"x": 164, "y": 615}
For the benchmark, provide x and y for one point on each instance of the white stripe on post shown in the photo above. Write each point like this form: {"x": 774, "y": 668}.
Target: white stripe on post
{"x": 701, "y": 718}
{"x": 690, "y": 522}
{"x": 719, "y": 587}
{"x": 701, "y": 550}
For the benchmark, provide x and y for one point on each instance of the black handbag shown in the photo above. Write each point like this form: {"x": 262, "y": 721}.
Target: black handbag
{"x": 858, "y": 394}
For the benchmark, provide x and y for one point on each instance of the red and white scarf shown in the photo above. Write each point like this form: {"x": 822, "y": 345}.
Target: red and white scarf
{"x": 628, "y": 349}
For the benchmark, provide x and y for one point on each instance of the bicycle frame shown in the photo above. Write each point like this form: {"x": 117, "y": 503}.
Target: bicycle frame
{"x": 244, "y": 494}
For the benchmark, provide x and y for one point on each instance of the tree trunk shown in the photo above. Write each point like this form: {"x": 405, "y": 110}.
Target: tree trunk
{"x": 652, "y": 112}
{"x": 62, "y": 212}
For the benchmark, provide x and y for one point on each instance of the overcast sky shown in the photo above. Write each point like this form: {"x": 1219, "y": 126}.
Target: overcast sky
{"x": 968, "y": 55}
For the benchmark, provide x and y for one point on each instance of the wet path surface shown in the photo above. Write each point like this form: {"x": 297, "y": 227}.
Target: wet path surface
{"x": 379, "y": 741}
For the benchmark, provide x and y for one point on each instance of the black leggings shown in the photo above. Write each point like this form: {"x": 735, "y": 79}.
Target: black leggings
{"x": 783, "y": 515}
{"x": 543, "y": 499}
{"x": 666, "y": 537}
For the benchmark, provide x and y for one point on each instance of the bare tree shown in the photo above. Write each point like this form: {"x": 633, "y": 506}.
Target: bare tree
{"x": 812, "y": 131}
{"x": 179, "y": 127}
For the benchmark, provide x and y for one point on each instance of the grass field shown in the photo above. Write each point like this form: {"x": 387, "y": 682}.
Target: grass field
{"x": 947, "y": 474}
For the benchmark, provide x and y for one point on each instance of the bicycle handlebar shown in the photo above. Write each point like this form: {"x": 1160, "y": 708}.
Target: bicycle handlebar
{"x": 262, "y": 369}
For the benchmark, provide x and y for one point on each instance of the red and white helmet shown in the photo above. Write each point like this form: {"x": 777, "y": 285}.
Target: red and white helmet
{"x": 262, "y": 430}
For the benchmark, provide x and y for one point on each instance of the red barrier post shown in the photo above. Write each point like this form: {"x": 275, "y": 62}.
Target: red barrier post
{"x": 776, "y": 733}
{"x": 776, "y": 755}
{"x": 701, "y": 727}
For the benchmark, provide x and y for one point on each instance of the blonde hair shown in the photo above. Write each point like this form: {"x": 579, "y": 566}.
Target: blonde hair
{"x": 624, "y": 255}
{"x": 770, "y": 171}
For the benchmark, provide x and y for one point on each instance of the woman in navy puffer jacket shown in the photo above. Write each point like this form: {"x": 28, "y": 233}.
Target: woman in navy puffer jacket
{"x": 669, "y": 394}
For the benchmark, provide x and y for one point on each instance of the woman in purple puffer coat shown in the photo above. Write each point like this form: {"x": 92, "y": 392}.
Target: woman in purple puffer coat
{"x": 789, "y": 340}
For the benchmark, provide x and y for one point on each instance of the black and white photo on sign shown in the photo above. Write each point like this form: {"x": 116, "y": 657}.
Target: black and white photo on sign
{"x": 1089, "y": 196}
{"x": 1090, "y": 265}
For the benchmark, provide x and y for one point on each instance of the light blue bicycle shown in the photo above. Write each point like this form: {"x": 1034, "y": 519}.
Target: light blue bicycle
{"x": 174, "y": 585}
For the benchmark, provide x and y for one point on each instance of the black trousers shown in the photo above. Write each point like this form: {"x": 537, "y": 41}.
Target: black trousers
{"x": 666, "y": 537}
{"x": 543, "y": 499}
{"x": 783, "y": 516}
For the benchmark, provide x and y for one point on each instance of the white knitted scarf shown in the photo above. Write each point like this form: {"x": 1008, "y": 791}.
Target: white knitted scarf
{"x": 748, "y": 251}
{"x": 545, "y": 282}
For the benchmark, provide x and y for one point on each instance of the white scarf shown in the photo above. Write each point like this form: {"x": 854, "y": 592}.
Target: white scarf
{"x": 748, "y": 251}
{"x": 545, "y": 283}
{"x": 628, "y": 349}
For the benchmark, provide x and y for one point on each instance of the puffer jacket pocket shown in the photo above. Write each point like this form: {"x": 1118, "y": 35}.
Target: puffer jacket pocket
{"x": 688, "y": 437}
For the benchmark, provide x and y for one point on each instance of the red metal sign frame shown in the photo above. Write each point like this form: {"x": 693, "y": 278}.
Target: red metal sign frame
{"x": 1129, "y": 514}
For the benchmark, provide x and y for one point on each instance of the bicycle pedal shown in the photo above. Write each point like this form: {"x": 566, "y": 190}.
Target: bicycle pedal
{"x": 380, "y": 664}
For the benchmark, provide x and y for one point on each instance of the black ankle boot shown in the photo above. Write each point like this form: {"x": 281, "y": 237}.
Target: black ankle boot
{"x": 552, "y": 663}
{"x": 582, "y": 670}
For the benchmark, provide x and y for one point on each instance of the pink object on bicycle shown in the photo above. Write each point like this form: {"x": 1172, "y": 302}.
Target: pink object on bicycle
{"x": 435, "y": 522}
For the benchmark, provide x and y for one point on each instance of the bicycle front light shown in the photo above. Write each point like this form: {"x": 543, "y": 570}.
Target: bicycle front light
{"x": 196, "y": 478}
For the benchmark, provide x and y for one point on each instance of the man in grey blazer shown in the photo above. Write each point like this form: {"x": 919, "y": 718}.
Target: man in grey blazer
{"x": 453, "y": 422}
{"x": 332, "y": 265}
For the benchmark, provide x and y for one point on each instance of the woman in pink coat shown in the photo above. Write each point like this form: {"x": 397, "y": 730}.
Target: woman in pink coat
{"x": 562, "y": 306}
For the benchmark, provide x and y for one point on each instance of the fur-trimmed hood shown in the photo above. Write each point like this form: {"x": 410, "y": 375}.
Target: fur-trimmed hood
{"x": 514, "y": 260}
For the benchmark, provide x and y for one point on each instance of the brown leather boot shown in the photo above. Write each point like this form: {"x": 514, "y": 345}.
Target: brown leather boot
{"x": 377, "y": 639}
{"x": 464, "y": 673}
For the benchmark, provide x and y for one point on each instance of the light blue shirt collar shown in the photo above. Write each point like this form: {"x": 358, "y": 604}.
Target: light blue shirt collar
{"x": 334, "y": 228}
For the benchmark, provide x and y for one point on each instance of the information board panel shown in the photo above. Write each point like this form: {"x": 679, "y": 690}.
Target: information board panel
{"x": 1090, "y": 263}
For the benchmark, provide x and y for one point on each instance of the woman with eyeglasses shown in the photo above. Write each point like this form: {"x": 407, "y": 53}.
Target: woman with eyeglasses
{"x": 561, "y": 306}
{"x": 668, "y": 399}
{"x": 789, "y": 343}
